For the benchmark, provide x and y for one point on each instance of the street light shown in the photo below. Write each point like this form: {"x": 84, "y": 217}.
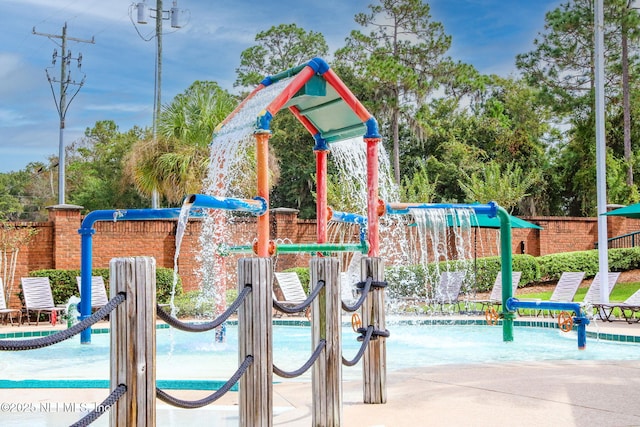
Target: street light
{"x": 626, "y": 103}
{"x": 174, "y": 15}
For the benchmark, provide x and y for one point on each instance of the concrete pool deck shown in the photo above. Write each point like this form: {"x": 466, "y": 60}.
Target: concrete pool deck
{"x": 570, "y": 393}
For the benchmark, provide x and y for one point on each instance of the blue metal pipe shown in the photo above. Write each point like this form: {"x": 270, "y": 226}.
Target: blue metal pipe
{"x": 490, "y": 209}
{"x": 349, "y": 218}
{"x": 87, "y": 231}
{"x": 256, "y": 206}
{"x": 513, "y": 304}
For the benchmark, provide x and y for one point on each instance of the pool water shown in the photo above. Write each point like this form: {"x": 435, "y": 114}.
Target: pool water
{"x": 184, "y": 355}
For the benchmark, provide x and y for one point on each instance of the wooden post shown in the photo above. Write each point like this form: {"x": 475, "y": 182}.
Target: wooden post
{"x": 255, "y": 339}
{"x": 133, "y": 341}
{"x": 374, "y": 360}
{"x": 326, "y": 325}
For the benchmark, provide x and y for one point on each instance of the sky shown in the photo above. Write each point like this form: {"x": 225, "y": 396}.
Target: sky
{"x": 120, "y": 65}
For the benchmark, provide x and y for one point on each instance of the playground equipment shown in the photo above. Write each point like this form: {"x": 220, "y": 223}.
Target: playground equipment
{"x": 565, "y": 321}
{"x": 330, "y": 112}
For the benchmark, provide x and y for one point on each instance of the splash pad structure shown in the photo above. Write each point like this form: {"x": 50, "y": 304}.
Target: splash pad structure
{"x": 315, "y": 95}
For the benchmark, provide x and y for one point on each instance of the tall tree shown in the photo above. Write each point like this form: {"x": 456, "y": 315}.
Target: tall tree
{"x": 401, "y": 58}
{"x": 278, "y": 49}
{"x": 505, "y": 186}
{"x": 561, "y": 65}
{"x": 96, "y": 169}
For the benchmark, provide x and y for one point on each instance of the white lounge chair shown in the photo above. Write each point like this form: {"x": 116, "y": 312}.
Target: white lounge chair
{"x": 447, "y": 291}
{"x": 495, "y": 298}
{"x": 6, "y": 312}
{"x": 593, "y": 293}
{"x": 628, "y": 308}
{"x": 348, "y": 293}
{"x": 566, "y": 288}
{"x": 98, "y": 291}
{"x": 292, "y": 291}
{"x": 39, "y": 298}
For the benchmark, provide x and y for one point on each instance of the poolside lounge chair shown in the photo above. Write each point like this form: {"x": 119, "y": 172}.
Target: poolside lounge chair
{"x": 291, "y": 288}
{"x": 348, "y": 279}
{"x": 98, "y": 291}
{"x": 593, "y": 294}
{"x": 447, "y": 291}
{"x": 39, "y": 298}
{"x": 8, "y": 312}
{"x": 628, "y": 308}
{"x": 566, "y": 288}
{"x": 496, "y": 292}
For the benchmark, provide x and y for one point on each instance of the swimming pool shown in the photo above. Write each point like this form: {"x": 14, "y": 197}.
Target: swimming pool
{"x": 191, "y": 356}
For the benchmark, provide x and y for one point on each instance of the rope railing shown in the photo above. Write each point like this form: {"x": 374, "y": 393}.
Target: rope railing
{"x": 303, "y": 305}
{"x": 314, "y": 356}
{"x": 35, "y": 343}
{"x": 203, "y": 327}
{"x": 363, "y": 347}
{"x": 193, "y": 404}
{"x": 115, "y": 395}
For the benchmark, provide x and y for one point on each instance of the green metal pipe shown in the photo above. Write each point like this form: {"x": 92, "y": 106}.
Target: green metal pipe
{"x": 322, "y": 247}
{"x": 507, "y": 270}
{"x": 239, "y": 249}
{"x": 287, "y": 73}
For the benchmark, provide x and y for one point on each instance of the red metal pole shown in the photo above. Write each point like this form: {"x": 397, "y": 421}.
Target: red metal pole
{"x": 372, "y": 196}
{"x": 321, "y": 195}
{"x": 262, "y": 157}
{"x": 293, "y": 87}
{"x": 302, "y": 119}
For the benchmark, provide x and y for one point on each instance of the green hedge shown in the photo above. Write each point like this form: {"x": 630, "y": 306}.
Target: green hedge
{"x": 63, "y": 283}
{"x": 552, "y": 266}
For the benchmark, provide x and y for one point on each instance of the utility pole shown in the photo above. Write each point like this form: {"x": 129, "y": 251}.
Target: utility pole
{"x": 143, "y": 12}
{"x": 61, "y": 100}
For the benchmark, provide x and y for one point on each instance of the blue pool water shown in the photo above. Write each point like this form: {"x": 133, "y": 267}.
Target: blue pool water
{"x": 183, "y": 355}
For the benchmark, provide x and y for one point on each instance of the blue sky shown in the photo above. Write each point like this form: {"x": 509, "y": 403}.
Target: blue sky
{"x": 119, "y": 67}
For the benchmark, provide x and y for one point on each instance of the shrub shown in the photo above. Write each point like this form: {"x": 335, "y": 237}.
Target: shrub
{"x": 191, "y": 304}
{"x": 406, "y": 281}
{"x": 63, "y": 283}
{"x": 622, "y": 259}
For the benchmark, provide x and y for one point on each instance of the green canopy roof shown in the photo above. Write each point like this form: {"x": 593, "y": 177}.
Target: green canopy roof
{"x": 483, "y": 221}
{"x": 631, "y": 211}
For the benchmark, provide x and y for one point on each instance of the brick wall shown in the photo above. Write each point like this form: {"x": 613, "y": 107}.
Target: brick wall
{"x": 57, "y": 243}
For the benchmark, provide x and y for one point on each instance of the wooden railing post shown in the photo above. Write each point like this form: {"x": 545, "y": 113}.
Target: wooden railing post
{"x": 326, "y": 314}
{"x": 374, "y": 360}
{"x": 133, "y": 341}
{"x": 255, "y": 339}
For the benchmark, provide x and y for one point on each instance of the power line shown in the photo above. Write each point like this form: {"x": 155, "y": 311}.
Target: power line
{"x": 143, "y": 12}
{"x": 65, "y": 81}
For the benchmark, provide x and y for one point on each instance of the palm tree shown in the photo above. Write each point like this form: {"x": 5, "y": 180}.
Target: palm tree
{"x": 177, "y": 163}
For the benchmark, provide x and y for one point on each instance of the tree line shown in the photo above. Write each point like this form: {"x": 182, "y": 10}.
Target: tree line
{"x": 454, "y": 135}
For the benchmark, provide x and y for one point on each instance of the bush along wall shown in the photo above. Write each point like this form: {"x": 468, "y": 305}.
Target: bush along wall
{"x": 64, "y": 285}
{"x": 622, "y": 259}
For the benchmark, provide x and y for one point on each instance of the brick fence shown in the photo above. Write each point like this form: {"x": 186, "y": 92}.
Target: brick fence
{"x": 57, "y": 243}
